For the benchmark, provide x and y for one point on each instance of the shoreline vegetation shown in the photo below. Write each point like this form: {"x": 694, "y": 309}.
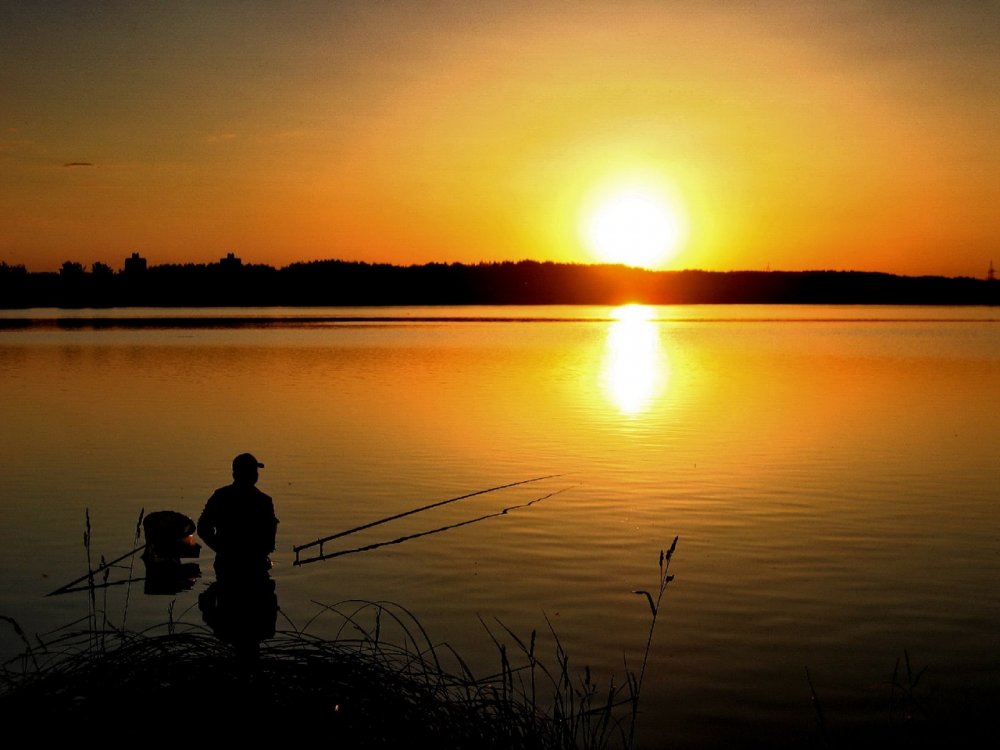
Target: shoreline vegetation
{"x": 376, "y": 680}
{"x": 379, "y": 681}
{"x": 337, "y": 283}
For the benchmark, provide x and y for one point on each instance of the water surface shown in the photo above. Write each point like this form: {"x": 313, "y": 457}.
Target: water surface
{"x": 831, "y": 474}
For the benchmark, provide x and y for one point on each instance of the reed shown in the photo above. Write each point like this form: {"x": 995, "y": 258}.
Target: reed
{"x": 131, "y": 566}
{"x": 373, "y": 679}
{"x": 919, "y": 714}
{"x": 378, "y": 680}
{"x": 636, "y": 682}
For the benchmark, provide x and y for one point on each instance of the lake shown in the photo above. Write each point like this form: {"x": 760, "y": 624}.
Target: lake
{"x": 831, "y": 474}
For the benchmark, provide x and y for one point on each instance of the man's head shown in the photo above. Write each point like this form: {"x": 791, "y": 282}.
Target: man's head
{"x": 245, "y": 468}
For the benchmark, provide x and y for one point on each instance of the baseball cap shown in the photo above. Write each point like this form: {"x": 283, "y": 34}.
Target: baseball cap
{"x": 246, "y": 461}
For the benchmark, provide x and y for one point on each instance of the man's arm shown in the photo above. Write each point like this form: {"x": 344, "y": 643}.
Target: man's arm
{"x": 206, "y": 524}
{"x": 274, "y": 528}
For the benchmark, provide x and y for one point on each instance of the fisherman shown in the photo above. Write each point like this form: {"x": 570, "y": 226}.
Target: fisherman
{"x": 238, "y": 522}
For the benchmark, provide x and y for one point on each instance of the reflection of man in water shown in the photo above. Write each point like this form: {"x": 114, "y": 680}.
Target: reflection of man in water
{"x": 242, "y": 611}
{"x": 238, "y": 522}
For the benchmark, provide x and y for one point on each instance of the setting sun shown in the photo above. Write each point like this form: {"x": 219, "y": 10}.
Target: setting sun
{"x": 634, "y": 225}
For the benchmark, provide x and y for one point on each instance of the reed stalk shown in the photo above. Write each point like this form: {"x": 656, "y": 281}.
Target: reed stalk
{"x": 131, "y": 566}
{"x": 636, "y": 682}
{"x": 91, "y": 591}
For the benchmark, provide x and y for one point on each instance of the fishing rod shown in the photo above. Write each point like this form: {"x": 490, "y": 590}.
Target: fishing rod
{"x": 95, "y": 571}
{"x": 398, "y": 540}
{"x": 320, "y": 542}
{"x": 68, "y": 588}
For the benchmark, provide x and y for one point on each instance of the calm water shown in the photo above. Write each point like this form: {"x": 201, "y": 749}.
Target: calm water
{"x": 832, "y": 474}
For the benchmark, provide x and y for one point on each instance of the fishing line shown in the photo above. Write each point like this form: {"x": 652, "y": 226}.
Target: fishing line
{"x": 399, "y": 540}
{"x": 320, "y": 542}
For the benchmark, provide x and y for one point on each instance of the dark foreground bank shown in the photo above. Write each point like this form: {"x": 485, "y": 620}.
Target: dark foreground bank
{"x": 357, "y": 690}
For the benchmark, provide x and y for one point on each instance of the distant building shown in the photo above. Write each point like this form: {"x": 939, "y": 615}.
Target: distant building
{"x": 230, "y": 261}
{"x": 135, "y": 263}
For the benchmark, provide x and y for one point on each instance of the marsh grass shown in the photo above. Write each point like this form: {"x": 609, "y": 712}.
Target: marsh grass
{"x": 374, "y": 679}
{"x": 911, "y": 711}
{"x": 357, "y": 687}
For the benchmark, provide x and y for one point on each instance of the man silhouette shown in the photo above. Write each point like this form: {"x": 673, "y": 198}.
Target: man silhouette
{"x": 238, "y": 522}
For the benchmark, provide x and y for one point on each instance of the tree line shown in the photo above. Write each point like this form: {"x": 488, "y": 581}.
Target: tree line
{"x": 526, "y": 282}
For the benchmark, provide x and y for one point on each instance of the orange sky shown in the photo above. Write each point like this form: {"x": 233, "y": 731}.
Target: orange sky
{"x": 794, "y": 135}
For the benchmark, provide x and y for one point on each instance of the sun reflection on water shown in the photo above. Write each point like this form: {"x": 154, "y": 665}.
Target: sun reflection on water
{"x": 636, "y": 369}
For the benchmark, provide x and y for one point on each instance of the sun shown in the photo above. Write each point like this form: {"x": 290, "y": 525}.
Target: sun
{"x": 633, "y": 224}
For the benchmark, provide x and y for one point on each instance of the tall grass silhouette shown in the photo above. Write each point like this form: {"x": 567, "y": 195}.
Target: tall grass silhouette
{"x": 375, "y": 678}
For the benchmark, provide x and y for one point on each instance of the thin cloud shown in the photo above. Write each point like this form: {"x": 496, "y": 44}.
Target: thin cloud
{"x": 78, "y": 164}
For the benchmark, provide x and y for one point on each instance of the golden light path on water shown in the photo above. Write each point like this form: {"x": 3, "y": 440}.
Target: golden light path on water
{"x": 636, "y": 369}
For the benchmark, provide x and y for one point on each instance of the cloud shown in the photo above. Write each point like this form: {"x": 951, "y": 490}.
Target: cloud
{"x": 78, "y": 164}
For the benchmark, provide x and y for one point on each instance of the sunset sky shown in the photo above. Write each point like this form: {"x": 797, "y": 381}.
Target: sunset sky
{"x": 784, "y": 135}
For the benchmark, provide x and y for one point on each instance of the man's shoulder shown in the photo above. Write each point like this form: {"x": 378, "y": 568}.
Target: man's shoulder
{"x": 240, "y": 491}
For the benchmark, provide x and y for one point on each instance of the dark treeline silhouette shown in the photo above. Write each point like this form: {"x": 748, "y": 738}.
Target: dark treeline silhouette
{"x": 343, "y": 283}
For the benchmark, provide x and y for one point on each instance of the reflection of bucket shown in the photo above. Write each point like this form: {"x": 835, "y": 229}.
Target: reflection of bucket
{"x": 170, "y": 576}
